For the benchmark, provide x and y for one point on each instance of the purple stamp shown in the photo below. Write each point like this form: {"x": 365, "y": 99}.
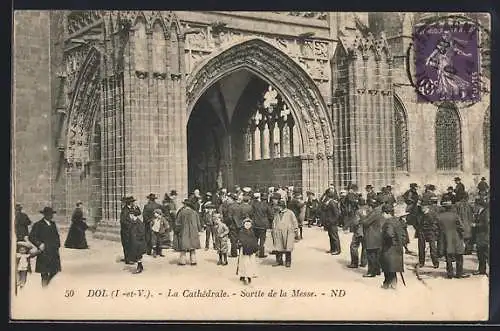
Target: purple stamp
{"x": 447, "y": 61}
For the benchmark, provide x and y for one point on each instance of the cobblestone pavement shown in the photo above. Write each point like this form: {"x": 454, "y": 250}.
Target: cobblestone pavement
{"x": 315, "y": 274}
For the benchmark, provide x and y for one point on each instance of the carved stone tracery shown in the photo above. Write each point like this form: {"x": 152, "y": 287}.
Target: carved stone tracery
{"x": 262, "y": 58}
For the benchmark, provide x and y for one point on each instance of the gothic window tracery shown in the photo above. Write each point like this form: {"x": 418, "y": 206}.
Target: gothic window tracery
{"x": 141, "y": 46}
{"x": 448, "y": 138}
{"x": 401, "y": 136}
{"x": 270, "y": 130}
{"x": 159, "y": 50}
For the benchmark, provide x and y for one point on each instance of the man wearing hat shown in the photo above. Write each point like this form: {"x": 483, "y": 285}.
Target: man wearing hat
{"x": 147, "y": 216}
{"x": 372, "y": 233}
{"x": 284, "y": 230}
{"x": 125, "y": 224}
{"x": 45, "y": 236}
{"x": 22, "y": 221}
{"x": 331, "y": 215}
{"x": 483, "y": 187}
{"x": 262, "y": 216}
{"x": 390, "y": 196}
{"x": 371, "y": 196}
{"x": 391, "y": 259}
{"x": 312, "y": 205}
{"x": 298, "y": 207}
{"x": 459, "y": 189}
{"x": 482, "y": 226}
{"x": 351, "y": 205}
{"x": 208, "y": 210}
{"x": 430, "y": 232}
{"x": 451, "y": 233}
{"x": 188, "y": 226}
{"x": 412, "y": 200}
{"x": 428, "y": 194}
{"x": 233, "y": 218}
{"x": 449, "y": 195}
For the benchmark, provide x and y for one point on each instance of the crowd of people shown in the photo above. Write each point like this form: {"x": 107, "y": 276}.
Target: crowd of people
{"x": 236, "y": 224}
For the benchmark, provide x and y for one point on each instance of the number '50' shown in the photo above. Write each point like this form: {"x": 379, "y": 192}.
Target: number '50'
{"x": 69, "y": 293}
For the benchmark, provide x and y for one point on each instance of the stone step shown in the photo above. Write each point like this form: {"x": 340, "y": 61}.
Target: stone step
{"x": 106, "y": 231}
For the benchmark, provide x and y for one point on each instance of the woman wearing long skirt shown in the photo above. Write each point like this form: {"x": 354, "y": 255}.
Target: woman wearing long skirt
{"x": 247, "y": 242}
{"x": 76, "y": 236}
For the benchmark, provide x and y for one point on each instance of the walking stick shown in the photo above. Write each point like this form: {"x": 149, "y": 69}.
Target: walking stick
{"x": 238, "y": 263}
{"x": 403, "y": 279}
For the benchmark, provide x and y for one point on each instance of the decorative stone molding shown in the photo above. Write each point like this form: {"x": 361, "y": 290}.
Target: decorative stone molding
{"x": 298, "y": 89}
{"x": 312, "y": 55}
{"x": 79, "y": 19}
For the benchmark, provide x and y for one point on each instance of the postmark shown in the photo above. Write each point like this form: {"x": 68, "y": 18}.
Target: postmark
{"x": 446, "y": 53}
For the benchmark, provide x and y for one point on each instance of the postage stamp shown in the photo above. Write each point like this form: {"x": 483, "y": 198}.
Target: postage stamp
{"x": 447, "y": 61}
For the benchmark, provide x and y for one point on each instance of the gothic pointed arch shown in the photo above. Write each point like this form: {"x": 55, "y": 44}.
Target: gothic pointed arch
{"x": 448, "y": 138}
{"x": 295, "y": 86}
{"x": 83, "y": 110}
{"x": 275, "y": 67}
{"x": 401, "y": 138}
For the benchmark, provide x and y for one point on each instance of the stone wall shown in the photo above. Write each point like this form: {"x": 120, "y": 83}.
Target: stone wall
{"x": 264, "y": 173}
{"x": 31, "y": 127}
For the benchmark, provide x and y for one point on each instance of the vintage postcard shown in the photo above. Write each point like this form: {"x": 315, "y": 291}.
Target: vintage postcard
{"x": 250, "y": 166}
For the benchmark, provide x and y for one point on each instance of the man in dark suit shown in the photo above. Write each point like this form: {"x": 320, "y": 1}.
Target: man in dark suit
{"x": 483, "y": 187}
{"x": 148, "y": 210}
{"x": 372, "y": 232}
{"x": 262, "y": 216}
{"x": 482, "y": 226}
{"x": 459, "y": 189}
{"x": 125, "y": 224}
{"x": 331, "y": 215}
{"x": 45, "y": 236}
{"x": 22, "y": 222}
{"x": 451, "y": 232}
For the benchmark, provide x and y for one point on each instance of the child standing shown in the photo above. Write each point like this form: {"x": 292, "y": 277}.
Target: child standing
{"x": 249, "y": 246}
{"x": 159, "y": 226}
{"x": 221, "y": 237}
{"x": 23, "y": 256}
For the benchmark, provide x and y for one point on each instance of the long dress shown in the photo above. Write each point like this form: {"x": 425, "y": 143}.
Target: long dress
{"x": 76, "y": 236}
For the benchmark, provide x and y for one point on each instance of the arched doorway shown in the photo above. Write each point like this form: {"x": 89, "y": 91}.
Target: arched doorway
{"x": 243, "y": 133}
{"x": 225, "y": 90}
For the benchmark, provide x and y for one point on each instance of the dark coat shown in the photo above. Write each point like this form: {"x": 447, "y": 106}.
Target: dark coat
{"x": 449, "y": 196}
{"x": 391, "y": 258}
{"x": 430, "y": 225}
{"x": 125, "y": 223}
{"x": 149, "y": 208}
{"x": 188, "y": 226}
{"x": 483, "y": 227}
{"x": 137, "y": 243}
{"x": 371, "y": 198}
{"x": 21, "y": 225}
{"x": 464, "y": 211}
{"x": 415, "y": 213}
{"x": 426, "y": 197}
{"x": 451, "y": 233}
{"x": 330, "y": 213}
{"x": 244, "y": 211}
{"x": 372, "y": 229}
{"x": 76, "y": 234}
{"x": 482, "y": 186}
{"x": 248, "y": 241}
{"x": 312, "y": 209}
{"x": 49, "y": 260}
{"x": 460, "y": 193}
{"x": 262, "y": 214}
{"x": 233, "y": 214}
{"x": 298, "y": 208}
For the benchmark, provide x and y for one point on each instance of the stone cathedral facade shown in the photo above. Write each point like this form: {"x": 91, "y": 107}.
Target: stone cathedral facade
{"x": 108, "y": 104}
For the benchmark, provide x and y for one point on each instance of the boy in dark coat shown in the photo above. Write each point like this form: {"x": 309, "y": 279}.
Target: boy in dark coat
{"x": 430, "y": 232}
{"x": 45, "y": 236}
{"x": 357, "y": 236}
{"x": 392, "y": 247}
